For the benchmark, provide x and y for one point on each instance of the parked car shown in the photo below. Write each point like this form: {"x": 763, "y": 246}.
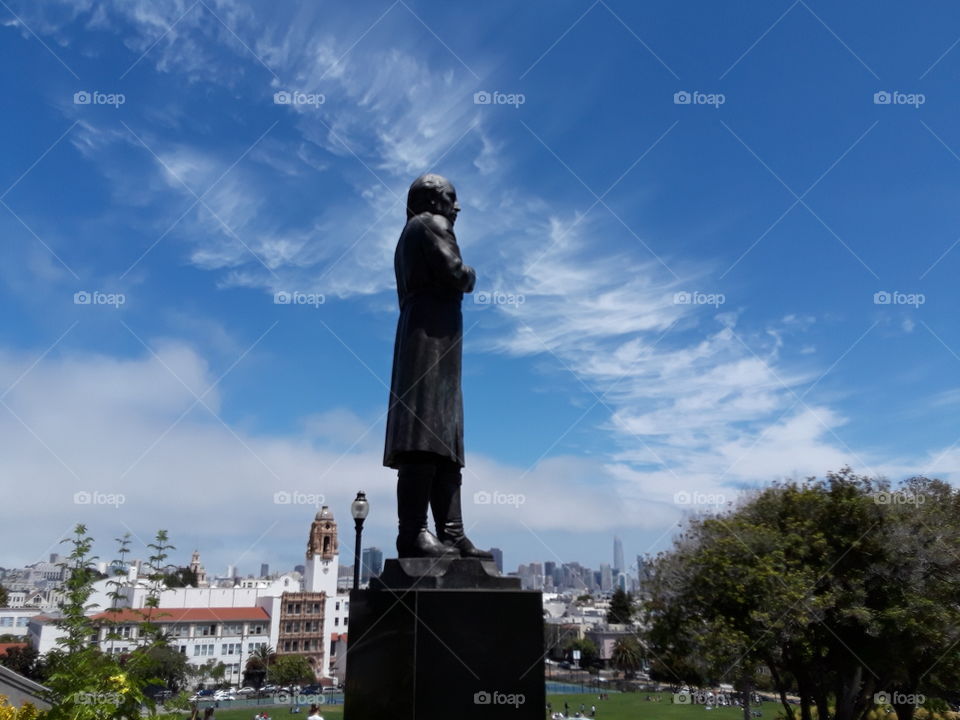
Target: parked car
{"x": 247, "y": 690}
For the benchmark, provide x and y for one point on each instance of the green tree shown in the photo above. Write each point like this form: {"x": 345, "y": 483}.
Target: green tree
{"x": 22, "y": 660}
{"x": 4, "y": 596}
{"x": 85, "y": 683}
{"x": 587, "y": 648}
{"x": 289, "y": 670}
{"x": 627, "y": 656}
{"x": 181, "y": 577}
{"x": 157, "y": 571}
{"x": 118, "y": 569}
{"x": 835, "y": 587}
{"x": 621, "y": 608}
{"x": 159, "y": 665}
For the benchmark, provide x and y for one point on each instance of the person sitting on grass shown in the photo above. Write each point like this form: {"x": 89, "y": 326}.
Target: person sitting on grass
{"x": 314, "y": 713}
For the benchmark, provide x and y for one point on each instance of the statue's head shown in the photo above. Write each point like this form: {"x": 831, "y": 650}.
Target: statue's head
{"x": 435, "y": 194}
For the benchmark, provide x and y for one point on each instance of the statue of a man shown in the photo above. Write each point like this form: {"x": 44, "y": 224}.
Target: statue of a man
{"x": 425, "y": 421}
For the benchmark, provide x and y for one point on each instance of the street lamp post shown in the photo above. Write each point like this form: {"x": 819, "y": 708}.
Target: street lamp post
{"x": 359, "y": 509}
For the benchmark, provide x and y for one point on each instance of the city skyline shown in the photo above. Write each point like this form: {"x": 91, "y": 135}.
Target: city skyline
{"x": 346, "y": 564}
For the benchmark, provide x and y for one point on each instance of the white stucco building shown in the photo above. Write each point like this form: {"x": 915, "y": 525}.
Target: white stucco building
{"x": 291, "y": 615}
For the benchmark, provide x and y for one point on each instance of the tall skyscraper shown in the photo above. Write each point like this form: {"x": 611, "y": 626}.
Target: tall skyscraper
{"x": 264, "y": 570}
{"x": 618, "y": 554}
{"x": 550, "y": 571}
{"x": 498, "y": 558}
{"x": 606, "y": 578}
{"x": 371, "y": 563}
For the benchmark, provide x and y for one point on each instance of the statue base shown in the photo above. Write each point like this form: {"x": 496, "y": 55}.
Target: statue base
{"x": 442, "y": 573}
{"x": 421, "y": 648}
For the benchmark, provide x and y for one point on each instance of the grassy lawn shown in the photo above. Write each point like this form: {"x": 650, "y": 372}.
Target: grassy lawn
{"x": 623, "y": 706}
{"x": 279, "y": 712}
{"x": 633, "y": 706}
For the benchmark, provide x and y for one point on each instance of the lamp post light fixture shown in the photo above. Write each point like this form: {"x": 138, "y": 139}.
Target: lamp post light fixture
{"x": 359, "y": 509}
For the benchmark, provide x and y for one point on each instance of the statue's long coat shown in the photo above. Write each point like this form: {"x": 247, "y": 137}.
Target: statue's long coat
{"x": 426, "y": 401}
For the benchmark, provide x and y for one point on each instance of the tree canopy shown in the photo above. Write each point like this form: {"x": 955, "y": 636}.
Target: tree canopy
{"x": 842, "y": 588}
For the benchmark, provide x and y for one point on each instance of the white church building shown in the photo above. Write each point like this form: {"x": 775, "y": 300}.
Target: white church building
{"x": 293, "y": 616}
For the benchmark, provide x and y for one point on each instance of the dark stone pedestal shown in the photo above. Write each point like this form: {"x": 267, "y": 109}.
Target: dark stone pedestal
{"x": 441, "y": 652}
{"x": 431, "y": 573}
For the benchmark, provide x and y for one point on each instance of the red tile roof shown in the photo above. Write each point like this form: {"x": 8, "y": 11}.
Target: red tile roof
{"x": 6, "y": 646}
{"x": 173, "y": 615}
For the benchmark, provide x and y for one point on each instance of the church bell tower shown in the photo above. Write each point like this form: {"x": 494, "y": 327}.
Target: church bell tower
{"x": 323, "y": 551}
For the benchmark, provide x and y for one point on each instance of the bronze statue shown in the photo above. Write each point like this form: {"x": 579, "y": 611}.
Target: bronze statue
{"x": 425, "y": 420}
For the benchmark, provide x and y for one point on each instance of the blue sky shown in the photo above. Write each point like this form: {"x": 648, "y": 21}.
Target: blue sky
{"x": 779, "y": 202}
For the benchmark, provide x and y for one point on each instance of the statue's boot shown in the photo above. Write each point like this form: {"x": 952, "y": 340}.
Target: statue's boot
{"x": 445, "y": 501}
{"x": 415, "y": 540}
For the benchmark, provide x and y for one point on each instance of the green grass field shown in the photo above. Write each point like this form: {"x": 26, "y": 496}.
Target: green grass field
{"x": 620, "y": 706}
